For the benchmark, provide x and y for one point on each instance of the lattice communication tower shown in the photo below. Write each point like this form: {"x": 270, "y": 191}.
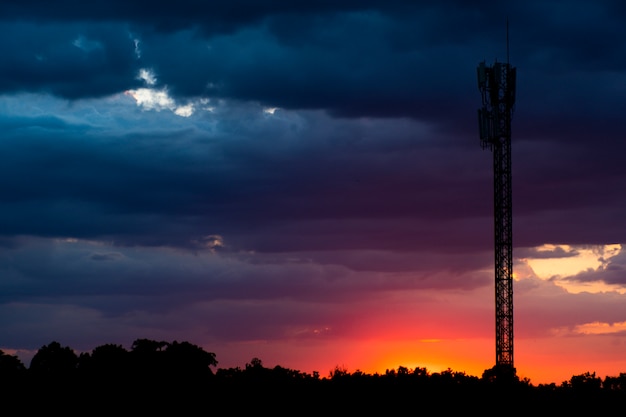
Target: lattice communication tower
{"x": 497, "y": 87}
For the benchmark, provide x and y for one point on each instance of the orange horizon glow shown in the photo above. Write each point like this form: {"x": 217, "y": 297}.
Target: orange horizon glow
{"x": 534, "y": 358}
{"x": 451, "y": 329}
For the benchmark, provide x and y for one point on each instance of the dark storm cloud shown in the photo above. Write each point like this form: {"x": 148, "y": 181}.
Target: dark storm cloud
{"x": 213, "y": 16}
{"x": 291, "y": 60}
{"x": 347, "y": 64}
{"x": 70, "y": 60}
{"x": 118, "y": 214}
{"x": 90, "y": 275}
{"x": 266, "y": 184}
{"x": 350, "y": 58}
{"x": 553, "y": 253}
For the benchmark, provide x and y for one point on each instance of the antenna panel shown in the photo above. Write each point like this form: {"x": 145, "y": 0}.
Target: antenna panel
{"x": 511, "y": 84}
{"x": 482, "y": 75}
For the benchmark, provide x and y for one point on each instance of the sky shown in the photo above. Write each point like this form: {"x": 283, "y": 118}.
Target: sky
{"x": 303, "y": 182}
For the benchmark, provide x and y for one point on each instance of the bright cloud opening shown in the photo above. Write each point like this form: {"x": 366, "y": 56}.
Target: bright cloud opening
{"x": 153, "y": 99}
{"x": 210, "y": 242}
{"x": 147, "y": 76}
{"x": 184, "y": 111}
{"x": 560, "y": 261}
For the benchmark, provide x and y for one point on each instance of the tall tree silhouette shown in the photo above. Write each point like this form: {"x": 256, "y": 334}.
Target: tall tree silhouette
{"x": 54, "y": 360}
{"x": 186, "y": 359}
{"x": 109, "y": 360}
{"x": 147, "y": 360}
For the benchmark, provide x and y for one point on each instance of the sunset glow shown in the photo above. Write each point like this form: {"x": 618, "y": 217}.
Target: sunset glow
{"x": 303, "y": 182}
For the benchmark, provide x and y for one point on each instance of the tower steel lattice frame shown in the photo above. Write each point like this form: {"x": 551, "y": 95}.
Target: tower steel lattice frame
{"x": 497, "y": 87}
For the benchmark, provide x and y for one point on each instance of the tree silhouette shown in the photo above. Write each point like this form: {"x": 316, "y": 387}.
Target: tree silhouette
{"x": 147, "y": 347}
{"x": 186, "y": 359}
{"x": 10, "y": 367}
{"x": 107, "y": 360}
{"x": 54, "y": 360}
{"x": 147, "y": 361}
{"x": 155, "y": 376}
{"x": 615, "y": 383}
{"x": 587, "y": 382}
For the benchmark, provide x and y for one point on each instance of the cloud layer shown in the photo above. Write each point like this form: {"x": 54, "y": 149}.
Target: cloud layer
{"x": 230, "y": 172}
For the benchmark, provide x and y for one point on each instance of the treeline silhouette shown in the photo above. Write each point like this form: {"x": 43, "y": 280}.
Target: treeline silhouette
{"x": 163, "y": 378}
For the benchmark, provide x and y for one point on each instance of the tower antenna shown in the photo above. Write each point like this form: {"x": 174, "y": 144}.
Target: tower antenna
{"x": 507, "y": 40}
{"x": 497, "y": 87}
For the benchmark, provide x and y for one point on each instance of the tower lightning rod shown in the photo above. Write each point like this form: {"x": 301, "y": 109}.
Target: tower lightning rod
{"x": 497, "y": 87}
{"x": 507, "y": 40}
